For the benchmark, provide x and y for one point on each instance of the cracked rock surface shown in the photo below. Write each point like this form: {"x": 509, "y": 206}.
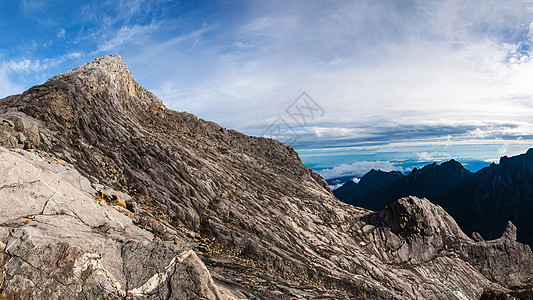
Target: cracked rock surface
{"x": 58, "y": 242}
{"x": 158, "y": 203}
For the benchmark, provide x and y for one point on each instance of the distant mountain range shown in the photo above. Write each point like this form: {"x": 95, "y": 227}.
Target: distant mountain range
{"x": 480, "y": 202}
{"x": 372, "y": 181}
{"x": 107, "y": 194}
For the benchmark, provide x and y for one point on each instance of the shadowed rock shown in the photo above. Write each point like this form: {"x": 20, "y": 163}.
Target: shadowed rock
{"x": 264, "y": 225}
{"x": 59, "y": 242}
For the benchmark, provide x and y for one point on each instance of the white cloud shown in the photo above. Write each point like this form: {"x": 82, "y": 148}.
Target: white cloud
{"x": 61, "y": 33}
{"x": 492, "y": 160}
{"x": 482, "y": 133}
{"x": 34, "y": 66}
{"x": 26, "y": 65}
{"x": 73, "y": 55}
{"x": 135, "y": 34}
{"x": 433, "y": 156}
{"x": 384, "y": 73}
{"x": 33, "y": 5}
{"x": 358, "y": 169}
{"x": 12, "y": 69}
{"x": 335, "y": 186}
{"x": 333, "y": 131}
{"x": 7, "y": 87}
{"x": 503, "y": 149}
{"x": 11, "y": 72}
{"x": 450, "y": 72}
{"x": 337, "y": 183}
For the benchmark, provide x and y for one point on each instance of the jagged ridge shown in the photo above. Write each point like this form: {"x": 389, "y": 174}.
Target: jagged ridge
{"x": 481, "y": 202}
{"x": 265, "y": 225}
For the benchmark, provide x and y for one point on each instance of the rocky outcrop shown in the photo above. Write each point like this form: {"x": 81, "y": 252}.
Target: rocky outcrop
{"x": 59, "y": 242}
{"x": 263, "y": 224}
{"x": 502, "y": 260}
{"x": 420, "y": 231}
{"x": 417, "y": 231}
{"x": 480, "y": 202}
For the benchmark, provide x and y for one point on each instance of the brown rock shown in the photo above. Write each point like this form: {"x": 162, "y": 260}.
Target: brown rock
{"x": 267, "y": 226}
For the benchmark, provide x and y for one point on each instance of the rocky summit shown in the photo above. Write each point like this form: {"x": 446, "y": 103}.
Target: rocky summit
{"x": 481, "y": 202}
{"x": 107, "y": 194}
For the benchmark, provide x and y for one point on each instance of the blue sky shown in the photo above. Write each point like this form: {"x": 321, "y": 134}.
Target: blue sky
{"x": 398, "y": 83}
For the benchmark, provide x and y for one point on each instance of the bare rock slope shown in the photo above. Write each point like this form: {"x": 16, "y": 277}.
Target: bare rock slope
{"x": 59, "y": 242}
{"x": 264, "y": 225}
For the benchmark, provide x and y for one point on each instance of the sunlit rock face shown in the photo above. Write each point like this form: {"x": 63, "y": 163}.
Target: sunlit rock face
{"x": 114, "y": 194}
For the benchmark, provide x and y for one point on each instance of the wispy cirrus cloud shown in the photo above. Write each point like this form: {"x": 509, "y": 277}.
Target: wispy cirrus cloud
{"x": 8, "y": 87}
{"x": 135, "y": 34}
{"x": 395, "y": 78}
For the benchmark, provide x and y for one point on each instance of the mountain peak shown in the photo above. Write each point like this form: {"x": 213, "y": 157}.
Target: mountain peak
{"x": 510, "y": 231}
{"x": 111, "y": 63}
{"x": 453, "y": 164}
{"x": 106, "y": 79}
{"x": 105, "y": 65}
{"x": 141, "y": 189}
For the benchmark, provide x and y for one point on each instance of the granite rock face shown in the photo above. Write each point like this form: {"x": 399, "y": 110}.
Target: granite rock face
{"x": 59, "y": 242}
{"x": 180, "y": 207}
